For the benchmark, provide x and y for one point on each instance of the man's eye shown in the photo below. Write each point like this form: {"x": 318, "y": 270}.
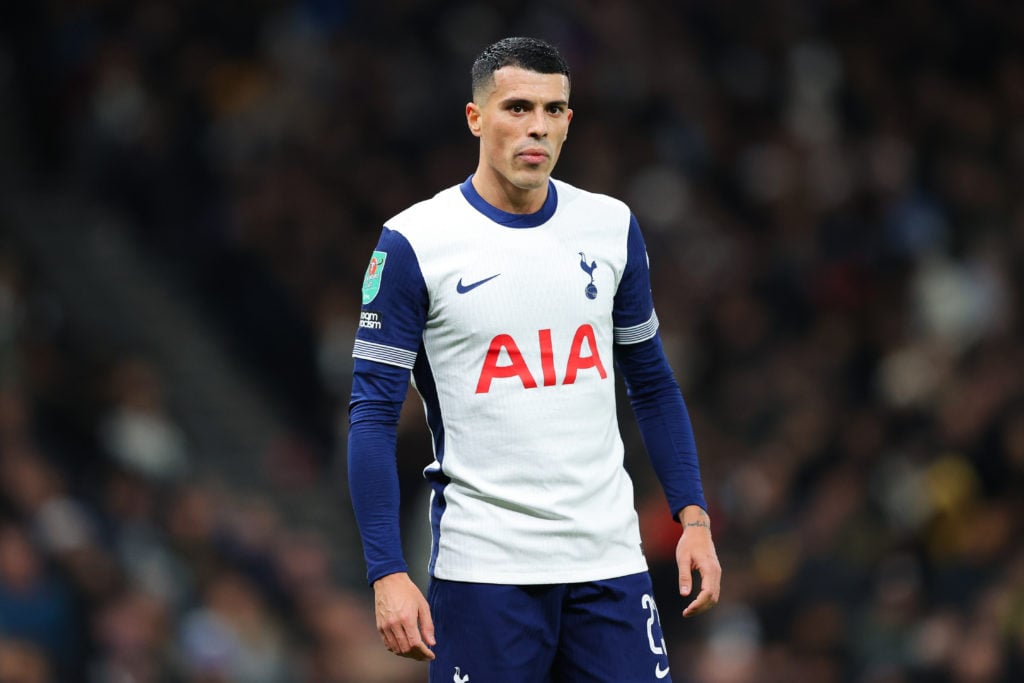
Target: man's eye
{"x": 517, "y": 108}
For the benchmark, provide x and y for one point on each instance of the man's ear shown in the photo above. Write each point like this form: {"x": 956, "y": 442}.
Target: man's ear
{"x": 473, "y": 118}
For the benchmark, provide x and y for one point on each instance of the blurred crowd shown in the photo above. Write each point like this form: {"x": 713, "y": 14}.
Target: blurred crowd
{"x": 118, "y": 564}
{"x": 831, "y": 196}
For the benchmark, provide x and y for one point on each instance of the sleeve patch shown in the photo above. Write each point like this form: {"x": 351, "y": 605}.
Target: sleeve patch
{"x": 374, "y": 271}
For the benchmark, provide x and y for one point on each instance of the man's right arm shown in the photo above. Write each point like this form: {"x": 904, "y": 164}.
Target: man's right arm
{"x": 390, "y": 328}
{"x": 403, "y": 617}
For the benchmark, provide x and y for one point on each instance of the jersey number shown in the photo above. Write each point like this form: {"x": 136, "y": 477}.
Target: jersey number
{"x": 514, "y": 364}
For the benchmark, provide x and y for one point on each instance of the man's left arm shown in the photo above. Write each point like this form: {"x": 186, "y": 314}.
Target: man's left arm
{"x": 664, "y": 422}
{"x": 668, "y": 438}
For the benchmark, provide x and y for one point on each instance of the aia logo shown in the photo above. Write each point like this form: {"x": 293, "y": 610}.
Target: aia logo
{"x": 583, "y": 355}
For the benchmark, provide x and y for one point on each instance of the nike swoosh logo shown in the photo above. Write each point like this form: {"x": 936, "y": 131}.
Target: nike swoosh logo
{"x": 659, "y": 672}
{"x": 462, "y": 289}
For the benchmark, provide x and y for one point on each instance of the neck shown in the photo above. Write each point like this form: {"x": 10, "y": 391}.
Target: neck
{"x": 501, "y": 194}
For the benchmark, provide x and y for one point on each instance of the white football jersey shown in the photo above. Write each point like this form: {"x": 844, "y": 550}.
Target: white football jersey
{"x": 508, "y": 324}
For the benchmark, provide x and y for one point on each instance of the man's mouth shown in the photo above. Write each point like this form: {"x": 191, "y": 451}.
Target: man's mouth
{"x": 533, "y": 156}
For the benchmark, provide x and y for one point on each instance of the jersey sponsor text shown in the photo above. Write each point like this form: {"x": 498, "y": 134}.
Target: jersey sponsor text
{"x": 498, "y": 365}
{"x": 370, "y": 320}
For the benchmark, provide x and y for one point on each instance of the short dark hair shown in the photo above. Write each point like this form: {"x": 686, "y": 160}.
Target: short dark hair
{"x": 532, "y": 54}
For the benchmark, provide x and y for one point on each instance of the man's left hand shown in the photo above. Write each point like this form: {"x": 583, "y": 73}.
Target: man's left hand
{"x": 696, "y": 551}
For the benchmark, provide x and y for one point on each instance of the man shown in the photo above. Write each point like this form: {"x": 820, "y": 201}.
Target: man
{"x": 508, "y": 297}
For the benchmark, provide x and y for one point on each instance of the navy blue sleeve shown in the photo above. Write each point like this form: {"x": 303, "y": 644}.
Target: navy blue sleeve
{"x": 653, "y": 392}
{"x": 663, "y": 420}
{"x": 390, "y": 331}
{"x": 378, "y": 391}
{"x": 634, "y": 304}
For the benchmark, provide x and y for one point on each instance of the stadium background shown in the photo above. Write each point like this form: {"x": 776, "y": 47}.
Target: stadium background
{"x": 831, "y": 193}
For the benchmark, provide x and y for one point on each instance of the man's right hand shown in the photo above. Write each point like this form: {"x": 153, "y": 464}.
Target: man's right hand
{"x": 403, "y": 617}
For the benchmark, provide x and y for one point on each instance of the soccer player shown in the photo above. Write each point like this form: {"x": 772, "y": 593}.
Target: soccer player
{"x": 511, "y": 300}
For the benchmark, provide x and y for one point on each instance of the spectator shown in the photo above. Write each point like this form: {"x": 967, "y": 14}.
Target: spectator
{"x": 23, "y": 662}
{"x": 35, "y": 606}
{"x": 138, "y": 432}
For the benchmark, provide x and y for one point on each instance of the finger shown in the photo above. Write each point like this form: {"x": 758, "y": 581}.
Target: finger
{"x": 427, "y": 626}
{"x": 704, "y": 601}
{"x": 711, "y": 579}
{"x": 421, "y": 653}
{"x": 389, "y": 641}
{"x": 417, "y": 649}
{"x": 399, "y": 639}
{"x": 685, "y": 577}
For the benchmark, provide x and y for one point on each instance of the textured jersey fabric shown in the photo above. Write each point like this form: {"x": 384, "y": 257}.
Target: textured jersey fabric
{"x": 508, "y": 324}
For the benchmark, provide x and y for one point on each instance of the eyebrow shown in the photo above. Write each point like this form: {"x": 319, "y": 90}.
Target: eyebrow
{"x": 523, "y": 101}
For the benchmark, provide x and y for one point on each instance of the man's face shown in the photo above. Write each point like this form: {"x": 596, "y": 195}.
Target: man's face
{"x": 522, "y": 122}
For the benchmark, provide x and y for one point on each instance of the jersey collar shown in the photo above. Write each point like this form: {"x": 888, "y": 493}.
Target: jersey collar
{"x": 511, "y": 220}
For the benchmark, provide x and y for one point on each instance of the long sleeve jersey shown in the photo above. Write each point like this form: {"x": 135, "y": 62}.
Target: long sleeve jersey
{"x": 511, "y": 328}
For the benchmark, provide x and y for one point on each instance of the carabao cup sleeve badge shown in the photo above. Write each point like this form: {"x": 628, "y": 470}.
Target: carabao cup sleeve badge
{"x": 371, "y": 281}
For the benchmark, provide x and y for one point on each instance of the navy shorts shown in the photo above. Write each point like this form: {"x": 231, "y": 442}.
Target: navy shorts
{"x": 594, "y": 632}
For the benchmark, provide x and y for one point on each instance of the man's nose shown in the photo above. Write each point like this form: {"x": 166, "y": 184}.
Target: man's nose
{"x": 538, "y": 124}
